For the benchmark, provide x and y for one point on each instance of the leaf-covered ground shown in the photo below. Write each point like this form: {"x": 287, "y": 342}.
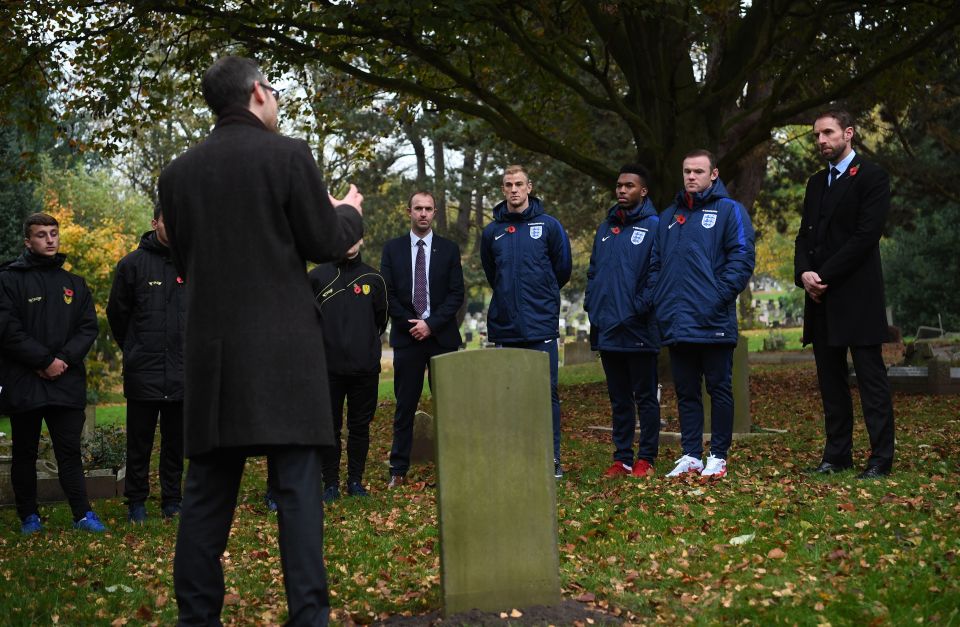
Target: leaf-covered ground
{"x": 804, "y": 551}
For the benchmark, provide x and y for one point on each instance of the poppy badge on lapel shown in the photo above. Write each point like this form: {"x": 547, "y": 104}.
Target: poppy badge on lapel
{"x": 356, "y": 289}
{"x": 67, "y": 295}
{"x": 615, "y": 230}
{"x": 853, "y": 170}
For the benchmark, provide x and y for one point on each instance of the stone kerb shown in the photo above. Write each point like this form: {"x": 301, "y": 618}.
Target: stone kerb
{"x": 495, "y": 488}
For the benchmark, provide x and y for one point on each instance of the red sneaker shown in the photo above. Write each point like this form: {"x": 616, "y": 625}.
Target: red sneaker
{"x": 642, "y": 468}
{"x": 617, "y": 469}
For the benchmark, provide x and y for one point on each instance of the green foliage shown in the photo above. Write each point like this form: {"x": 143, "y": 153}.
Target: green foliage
{"x": 922, "y": 271}
{"x": 106, "y": 448}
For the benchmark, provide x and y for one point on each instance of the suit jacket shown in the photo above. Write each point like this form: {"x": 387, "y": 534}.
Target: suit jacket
{"x": 445, "y": 278}
{"x": 245, "y": 209}
{"x": 839, "y": 239}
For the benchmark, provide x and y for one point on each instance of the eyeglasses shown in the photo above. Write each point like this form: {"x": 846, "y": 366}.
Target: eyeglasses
{"x": 273, "y": 90}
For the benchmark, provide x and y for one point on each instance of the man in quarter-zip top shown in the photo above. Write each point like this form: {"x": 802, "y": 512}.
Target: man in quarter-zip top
{"x": 352, "y": 298}
{"x": 705, "y": 257}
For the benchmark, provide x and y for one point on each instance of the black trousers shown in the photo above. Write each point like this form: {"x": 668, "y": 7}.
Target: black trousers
{"x": 360, "y": 394}
{"x": 210, "y": 498}
{"x": 141, "y": 426}
{"x": 632, "y": 386}
{"x": 875, "y": 398}
{"x": 409, "y": 362}
{"x": 65, "y": 426}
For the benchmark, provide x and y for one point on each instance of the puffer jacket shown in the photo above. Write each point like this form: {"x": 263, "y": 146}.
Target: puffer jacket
{"x": 147, "y": 311}
{"x": 619, "y": 296}
{"x": 704, "y": 258}
{"x": 526, "y": 258}
{"x": 49, "y": 314}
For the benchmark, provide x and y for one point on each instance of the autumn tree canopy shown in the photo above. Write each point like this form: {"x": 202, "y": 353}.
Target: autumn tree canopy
{"x": 586, "y": 82}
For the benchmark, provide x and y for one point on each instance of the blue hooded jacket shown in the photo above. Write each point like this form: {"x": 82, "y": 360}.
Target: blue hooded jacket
{"x": 705, "y": 257}
{"x": 620, "y": 281}
{"x": 526, "y": 257}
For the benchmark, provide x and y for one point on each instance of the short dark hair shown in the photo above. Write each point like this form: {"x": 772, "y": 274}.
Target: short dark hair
{"x": 639, "y": 170}
{"x": 419, "y": 193}
{"x": 702, "y": 152}
{"x": 38, "y": 219}
{"x": 157, "y": 210}
{"x": 229, "y": 81}
{"x": 842, "y": 116}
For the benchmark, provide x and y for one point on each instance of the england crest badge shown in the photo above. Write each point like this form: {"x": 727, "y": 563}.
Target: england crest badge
{"x": 536, "y": 231}
{"x": 708, "y": 220}
{"x": 636, "y": 238}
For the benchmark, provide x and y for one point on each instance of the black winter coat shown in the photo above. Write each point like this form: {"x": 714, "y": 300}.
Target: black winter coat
{"x": 146, "y": 312}
{"x": 839, "y": 239}
{"x": 244, "y": 210}
{"x": 353, "y": 306}
{"x": 49, "y": 314}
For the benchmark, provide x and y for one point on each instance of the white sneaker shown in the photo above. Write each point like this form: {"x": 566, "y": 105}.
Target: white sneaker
{"x": 686, "y": 464}
{"x": 715, "y": 468}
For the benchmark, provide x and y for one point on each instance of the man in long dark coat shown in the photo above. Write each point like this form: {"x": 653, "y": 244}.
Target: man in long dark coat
{"x": 837, "y": 263}
{"x": 245, "y": 209}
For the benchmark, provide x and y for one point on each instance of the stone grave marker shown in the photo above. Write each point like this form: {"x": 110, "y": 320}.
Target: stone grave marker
{"x": 423, "y": 447}
{"x": 741, "y": 392}
{"x": 496, "y": 493}
{"x": 578, "y": 353}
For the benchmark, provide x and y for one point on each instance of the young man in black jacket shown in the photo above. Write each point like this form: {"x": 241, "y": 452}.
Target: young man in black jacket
{"x": 146, "y": 313}
{"x": 352, "y": 297}
{"x": 50, "y": 326}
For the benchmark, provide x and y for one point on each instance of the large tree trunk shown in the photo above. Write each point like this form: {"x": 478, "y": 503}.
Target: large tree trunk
{"x": 467, "y": 180}
{"x": 440, "y": 183}
{"x": 413, "y": 136}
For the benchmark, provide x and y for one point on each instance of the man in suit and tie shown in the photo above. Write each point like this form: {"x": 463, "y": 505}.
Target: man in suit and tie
{"x": 837, "y": 263}
{"x": 424, "y": 291}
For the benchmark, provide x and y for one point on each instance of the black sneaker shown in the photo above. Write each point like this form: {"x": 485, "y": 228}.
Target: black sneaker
{"x": 331, "y": 494}
{"x": 557, "y": 469}
{"x": 170, "y": 510}
{"x": 355, "y": 488}
{"x": 137, "y": 513}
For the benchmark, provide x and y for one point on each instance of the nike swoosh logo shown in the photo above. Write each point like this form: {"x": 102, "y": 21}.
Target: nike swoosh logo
{"x": 499, "y": 236}
{"x": 671, "y": 226}
{"x": 606, "y": 238}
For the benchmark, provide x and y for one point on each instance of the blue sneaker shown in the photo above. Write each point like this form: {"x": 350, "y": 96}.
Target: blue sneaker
{"x": 90, "y": 523}
{"x": 170, "y": 510}
{"x": 269, "y": 502}
{"x": 331, "y": 494}
{"x": 31, "y": 524}
{"x": 137, "y": 513}
{"x": 355, "y": 488}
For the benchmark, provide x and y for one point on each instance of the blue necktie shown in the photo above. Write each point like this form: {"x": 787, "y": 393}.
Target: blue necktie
{"x": 834, "y": 175}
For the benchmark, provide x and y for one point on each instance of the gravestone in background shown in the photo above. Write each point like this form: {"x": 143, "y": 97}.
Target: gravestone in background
{"x": 741, "y": 392}
{"x": 578, "y": 353}
{"x": 496, "y": 493}
{"x": 423, "y": 447}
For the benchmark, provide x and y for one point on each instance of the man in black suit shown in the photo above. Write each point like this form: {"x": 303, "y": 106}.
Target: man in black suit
{"x": 837, "y": 263}
{"x": 244, "y": 210}
{"x": 424, "y": 291}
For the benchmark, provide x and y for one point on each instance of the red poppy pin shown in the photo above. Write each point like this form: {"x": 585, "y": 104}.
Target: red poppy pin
{"x": 681, "y": 219}
{"x": 180, "y": 280}
{"x": 356, "y": 289}
{"x": 511, "y": 229}
{"x": 615, "y": 230}
{"x": 67, "y": 295}
{"x": 853, "y": 170}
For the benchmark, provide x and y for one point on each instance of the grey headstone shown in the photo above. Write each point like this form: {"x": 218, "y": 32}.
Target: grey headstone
{"x": 496, "y": 493}
{"x": 741, "y": 391}
{"x": 578, "y": 353}
{"x": 423, "y": 448}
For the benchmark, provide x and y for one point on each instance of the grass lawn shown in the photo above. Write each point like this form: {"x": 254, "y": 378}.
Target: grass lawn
{"x": 823, "y": 550}
{"x": 791, "y": 334}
